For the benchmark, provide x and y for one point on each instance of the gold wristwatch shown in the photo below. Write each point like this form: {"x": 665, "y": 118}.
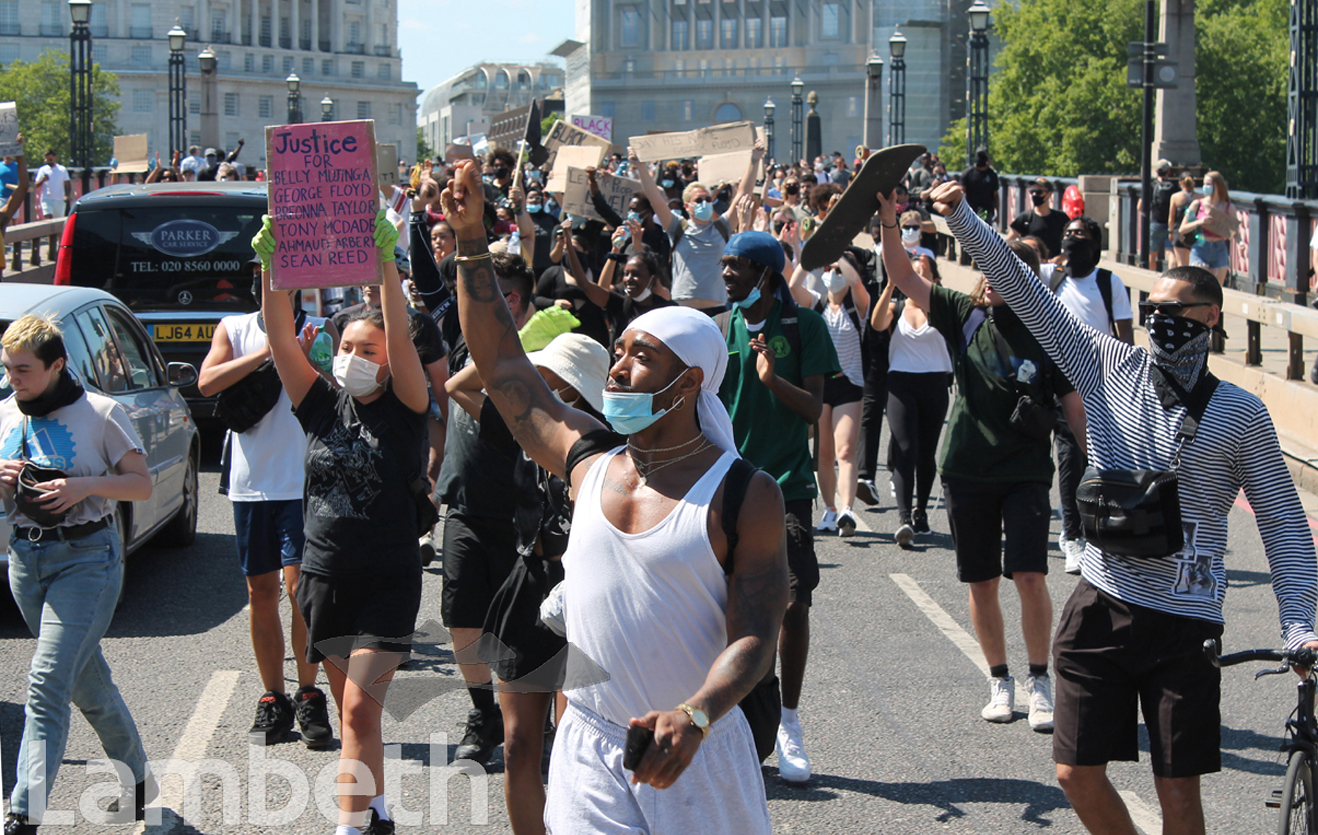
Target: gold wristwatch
{"x": 698, "y": 718}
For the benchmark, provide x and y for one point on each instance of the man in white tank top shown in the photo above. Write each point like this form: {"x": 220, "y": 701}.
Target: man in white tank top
{"x": 650, "y": 596}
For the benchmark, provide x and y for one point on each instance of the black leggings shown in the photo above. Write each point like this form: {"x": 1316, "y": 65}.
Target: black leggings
{"x": 917, "y": 408}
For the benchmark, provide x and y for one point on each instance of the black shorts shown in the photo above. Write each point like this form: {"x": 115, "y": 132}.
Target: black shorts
{"x": 479, "y": 552}
{"x": 981, "y": 512}
{"x": 839, "y": 391}
{"x": 345, "y": 614}
{"x": 802, "y": 564}
{"x": 526, "y": 651}
{"x": 1108, "y": 655}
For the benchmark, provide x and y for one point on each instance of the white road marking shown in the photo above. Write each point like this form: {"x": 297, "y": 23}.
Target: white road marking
{"x": 192, "y": 745}
{"x": 1145, "y": 817}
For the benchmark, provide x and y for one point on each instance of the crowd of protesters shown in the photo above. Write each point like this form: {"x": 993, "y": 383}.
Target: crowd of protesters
{"x": 657, "y": 414}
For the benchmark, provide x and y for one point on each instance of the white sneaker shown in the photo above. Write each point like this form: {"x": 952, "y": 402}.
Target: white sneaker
{"x": 1002, "y": 700}
{"x": 846, "y": 523}
{"x": 1041, "y": 703}
{"x": 829, "y": 522}
{"x": 1074, "y": 549}
{"x": 793, "y": 764}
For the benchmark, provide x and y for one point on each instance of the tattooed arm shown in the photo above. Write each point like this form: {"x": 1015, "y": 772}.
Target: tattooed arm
{"x": 757, "y": 601}
{"x": 543, "y": 426}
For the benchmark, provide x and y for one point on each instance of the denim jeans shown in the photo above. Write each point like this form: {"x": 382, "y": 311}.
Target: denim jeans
{"x": 67, "y": 592}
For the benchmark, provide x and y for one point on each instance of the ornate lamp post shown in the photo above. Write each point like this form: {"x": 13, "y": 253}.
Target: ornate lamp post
{"x": 80, "y": 89}
{"x": 326, "y": 108}
{"x": 798, "y": 138}
{"x": 768, "y": 128}
{"x": 977, "y": 126}
{"x": 210, "y": 117}
{"x": 294, "y": 99}
{"x": 897, "y": 89}
{"x": 873, "y": 111}
{"x": 178, "y": 92}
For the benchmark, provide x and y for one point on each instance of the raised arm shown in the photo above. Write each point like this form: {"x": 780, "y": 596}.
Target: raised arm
{"x": 881, "y": 315}
{"x": 747, "y": 185}
{"x": 544, "y": 427}
{"x": 295, "y": 371}
{"x": 895, "y": 259}
{"x": 602, "y": 207}
{"x": 658, "y": 200}
{"x": 467, "y": 390}
{"x": 800, "y": 293}
{"x": 860, "y": 297}
{"x": 425, "y": 272}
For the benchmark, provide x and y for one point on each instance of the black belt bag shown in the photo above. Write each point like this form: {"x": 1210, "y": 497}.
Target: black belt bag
{"x": 26, "y": 492}
{"x": 1137, "y": 513}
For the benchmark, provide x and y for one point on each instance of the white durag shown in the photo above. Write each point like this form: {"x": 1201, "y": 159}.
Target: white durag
{"x": 696, "y": 341}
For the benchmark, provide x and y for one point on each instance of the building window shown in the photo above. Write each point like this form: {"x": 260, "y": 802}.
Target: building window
{"x": 688, "y": 107}
{"x": 230, "y": 141}
{"x": 327, "y": 66}
{"x": 265, "y": 107}
{"x": 9, "y": 18}
{"x": 285, "y": 33}
{"x": 631, "y": 27}
{"x": 217, "y": 27}
{"x": 288, "y": 64}
{"x": 777, "y": 32}
{"x": 754, "y": 33}
{"x": 358, "y": 69}
{"x": 647, "y": 111}
{"x": 354, "y": 35}
{"x": 265, "y": 31}
{"x": 100, "y": 28}
{"x": 144, "y": 101}
{"x": 8, "y": 53}
{"x": 704, "y": 67}
{"x": 194, "y": 137}
{"x": 829, "y": 15}
{"x": 727, "y": 112}
{"x": 729, "y": 35}
{"x": 308, "y": 66}
{"x": 704, "y": 34}
{"x": 194, "y": 104}
{"x": 680, "y": 65}
{"x": 224, "y": 60}
{"x": 680, "y": 35}
{"x": 396, "y": 114}
{"x": 363, "y": 110}
{"x": 607, "y": 109}
{"x": 52, "y": 19}
{"x": 629, "y": 64}
{"x": 383, "y": 73}
{"x": 249, "y": 63}
{"x": 853, "y": 106}
{"x": 140, "y": 55}
{"x": 230, "y": 104}
{"x": 139, "y": 21}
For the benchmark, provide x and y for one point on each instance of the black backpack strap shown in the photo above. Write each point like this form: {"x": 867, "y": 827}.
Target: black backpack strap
{"x": 976, "y": 318}
{"x": 592, "y": 443}
{"x": 735, "y": 484}
{"x": 1196, "y": 401}
{"x": 1056, "y": 278}
{"x": 1105, "y": 290}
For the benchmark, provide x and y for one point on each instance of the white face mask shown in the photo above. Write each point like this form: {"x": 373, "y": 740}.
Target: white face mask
{"x": 835, "y": 281}
{"x": 357, "y": 376}
{"x": 910, "y": 237}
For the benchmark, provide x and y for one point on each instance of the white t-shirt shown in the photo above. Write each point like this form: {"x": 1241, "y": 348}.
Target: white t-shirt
{"x": 1082, "y": 297}
{"x": 919, "y": 350}
{"x": 192, "y": 163}
{"x": 52, "y": 191}
{"x": 267, "y": 460}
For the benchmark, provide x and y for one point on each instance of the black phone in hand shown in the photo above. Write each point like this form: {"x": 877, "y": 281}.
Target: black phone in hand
{"x": 639, "y": 739}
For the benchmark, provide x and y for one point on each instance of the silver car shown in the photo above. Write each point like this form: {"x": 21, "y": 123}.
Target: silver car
{"x": 110, "y": 352}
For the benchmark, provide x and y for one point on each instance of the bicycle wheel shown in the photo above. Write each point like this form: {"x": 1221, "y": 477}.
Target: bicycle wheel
{"x": 1297, "y": 812}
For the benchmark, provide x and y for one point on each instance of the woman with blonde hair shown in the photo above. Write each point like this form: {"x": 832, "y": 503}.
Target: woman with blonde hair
{"x": 1213, "y": 220}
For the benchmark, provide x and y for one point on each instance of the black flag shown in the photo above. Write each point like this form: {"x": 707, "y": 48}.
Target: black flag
{"x": 539, "y": 155}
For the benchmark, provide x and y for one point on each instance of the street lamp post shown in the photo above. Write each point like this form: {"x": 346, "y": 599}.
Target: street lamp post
{"x": 80, "y": 89}
{"x": 977, "y": 127}
{"x": 1302, "y": 104}
{"x": 178, "y": 92}
{"x": 873, "y": 110}
{"x": 210, "y": 117}
{"x": 798, "y": 87}
{"x": 294, "y": 99}
{"x": 897, "y": 89}
{"x": 814, "y": 145}
{"x": 326, "y": 108}
{"x": 768, "y": 128}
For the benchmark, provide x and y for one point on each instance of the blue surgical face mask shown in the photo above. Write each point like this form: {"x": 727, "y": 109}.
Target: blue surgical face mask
{"x": 533, "y": 207}
{"x": 753, "y": 296}
{"x": 633, "y": 216}
{"x": 666, "y": 183}
{"x": 703, "y": 211}
{"x": 629, "y": 412}
{"x": 1207, "y": 189}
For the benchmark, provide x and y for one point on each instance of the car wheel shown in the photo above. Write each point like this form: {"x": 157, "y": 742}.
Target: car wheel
{"x": 121, "y": 528}
{"x": 182, "y": 529}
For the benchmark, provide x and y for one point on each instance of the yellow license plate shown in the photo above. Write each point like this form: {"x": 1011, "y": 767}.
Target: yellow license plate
{"x": 184, "y": 333}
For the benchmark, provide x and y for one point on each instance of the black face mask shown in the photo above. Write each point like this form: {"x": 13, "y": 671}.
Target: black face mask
{"x": 501, "y": 173}
{"x": 1080, "y": 260}
{"x": 792, "y": 190}
{"x": 1039, "y": 198}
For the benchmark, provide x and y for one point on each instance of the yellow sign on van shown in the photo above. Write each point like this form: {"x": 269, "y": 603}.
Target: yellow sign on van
{"x": 198, "y": 332}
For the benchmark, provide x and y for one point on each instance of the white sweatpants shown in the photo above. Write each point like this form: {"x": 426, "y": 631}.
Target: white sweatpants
{"x": 722, "y": 791}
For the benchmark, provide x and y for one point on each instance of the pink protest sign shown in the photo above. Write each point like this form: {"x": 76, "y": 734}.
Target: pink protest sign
{"x": 323, "y": 198}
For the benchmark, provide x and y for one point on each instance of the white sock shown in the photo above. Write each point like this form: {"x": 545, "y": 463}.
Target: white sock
{"x": 377, "y": 803}
{"x": 344, "y": 829}
{"x": 789, "y": 716}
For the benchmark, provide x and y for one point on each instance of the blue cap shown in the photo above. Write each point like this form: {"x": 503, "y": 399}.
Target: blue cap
{"x": 760, "y": 247}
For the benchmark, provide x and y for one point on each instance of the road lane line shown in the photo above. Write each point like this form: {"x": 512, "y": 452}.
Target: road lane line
{"x": 959, "y": 637}
{"x": 1148, "y": 820}
{"x": 192, "y": 745}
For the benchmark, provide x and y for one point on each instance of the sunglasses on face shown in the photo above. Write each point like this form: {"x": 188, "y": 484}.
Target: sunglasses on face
{"x": 1036, "y": 194}
{"x": 699, "y": 200}
{"x": 1169, "y": 308}
{"x": 916, "y": 228}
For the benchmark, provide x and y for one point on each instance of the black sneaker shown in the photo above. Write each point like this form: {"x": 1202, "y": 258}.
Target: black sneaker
{"x": 867, "y": 492}
{"x": 313, "y": 717}
{"x": 920, "y": 521}
{"x": 142, "y": 794}
{"x": 905, "y": 531}
{"x": 18, "y": 825}
{"x": 274, "y": 718}
{"x": 484, "y": 734}
{"x": 375, "y": 825}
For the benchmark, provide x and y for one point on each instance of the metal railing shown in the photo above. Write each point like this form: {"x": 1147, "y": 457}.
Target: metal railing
{"x": 31, "y": 269}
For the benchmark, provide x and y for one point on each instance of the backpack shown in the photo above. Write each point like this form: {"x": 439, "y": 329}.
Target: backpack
{"x": 1104, "y": 279}
{"x": 719, "y": 223}
{"x": 1161, "y": 204}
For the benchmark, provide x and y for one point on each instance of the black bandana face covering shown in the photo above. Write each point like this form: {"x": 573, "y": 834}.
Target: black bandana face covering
{"x": 1179, "y": 346}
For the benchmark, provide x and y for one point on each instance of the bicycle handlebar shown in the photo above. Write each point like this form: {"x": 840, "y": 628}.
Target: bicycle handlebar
{"x": 1302, "y": 657}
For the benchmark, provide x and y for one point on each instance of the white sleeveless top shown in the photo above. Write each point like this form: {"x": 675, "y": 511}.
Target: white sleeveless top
{"x": 649, "y": 608}
{"x": 917, "y": 350}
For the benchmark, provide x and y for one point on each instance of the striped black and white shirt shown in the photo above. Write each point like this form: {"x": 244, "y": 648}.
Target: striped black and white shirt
{"x": 1236, "y": 448}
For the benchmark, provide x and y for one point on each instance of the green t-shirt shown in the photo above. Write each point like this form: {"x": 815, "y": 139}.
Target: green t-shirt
{"x": 980, "y": 443}
{"x": 770, "y": 435}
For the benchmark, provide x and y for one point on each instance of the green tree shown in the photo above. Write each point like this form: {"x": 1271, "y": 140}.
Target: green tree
{"x": 1059, "y": 104}
{"x": 548, "y": 122}
{"x": 423, "y": 149}
{"x": 40, "y": 88}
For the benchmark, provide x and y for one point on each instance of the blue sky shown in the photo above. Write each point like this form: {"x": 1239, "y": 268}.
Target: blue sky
{"x": 440, "y": 38}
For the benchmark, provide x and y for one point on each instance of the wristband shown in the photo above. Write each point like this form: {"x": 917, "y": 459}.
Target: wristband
{"x": 467, "y": 259}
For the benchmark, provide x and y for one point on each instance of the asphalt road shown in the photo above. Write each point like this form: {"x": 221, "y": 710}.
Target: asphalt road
{"x": 890, "y": 710}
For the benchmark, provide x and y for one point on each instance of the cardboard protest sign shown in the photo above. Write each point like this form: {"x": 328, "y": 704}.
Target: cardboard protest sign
{"x": 723, "y": 168}
{"x": 131, "y": 153}
{"x": 616, "y": 191}
{"x": 561, "y": 135}
{"x": 601, "y": 126}
{"x": 323, "y": 197}
{"x": 9, "y": 146}
{"x": 386, "y": 156}
{"x": 719, "y": 139}
{"x": 585, "y": 156}
{"x": 456, "y": 151}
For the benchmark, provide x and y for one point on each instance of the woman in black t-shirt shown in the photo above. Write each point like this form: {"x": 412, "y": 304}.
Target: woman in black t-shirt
{"x": 361, "y": 572}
